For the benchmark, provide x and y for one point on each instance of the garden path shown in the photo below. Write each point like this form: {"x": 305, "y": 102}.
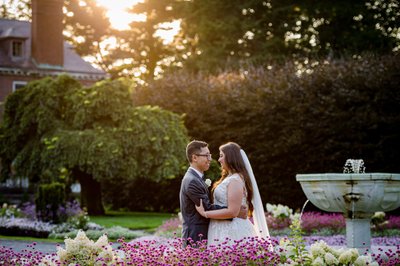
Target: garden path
{"x": 19, "y": 245}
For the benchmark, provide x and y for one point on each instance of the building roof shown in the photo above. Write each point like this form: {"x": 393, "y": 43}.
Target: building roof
{"x": 73, "y": 63}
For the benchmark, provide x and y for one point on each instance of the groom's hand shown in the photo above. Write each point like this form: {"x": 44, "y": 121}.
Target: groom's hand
{"x": 243, "y": 212}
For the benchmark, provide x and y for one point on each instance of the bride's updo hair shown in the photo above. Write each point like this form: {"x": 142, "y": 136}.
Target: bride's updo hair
{"x": 235, "y": 164}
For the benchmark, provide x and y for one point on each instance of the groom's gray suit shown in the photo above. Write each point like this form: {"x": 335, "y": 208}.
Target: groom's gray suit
{"x": 193, "y": 188}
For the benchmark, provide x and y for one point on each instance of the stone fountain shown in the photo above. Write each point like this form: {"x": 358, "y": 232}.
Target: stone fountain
{"x": 358, "y": 195}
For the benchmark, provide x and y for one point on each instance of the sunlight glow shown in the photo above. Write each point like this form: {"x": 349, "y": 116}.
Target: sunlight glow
{"x": 120, "y": 18}
{"x": 117, "y": 11}
{"x": 168, "y": 30}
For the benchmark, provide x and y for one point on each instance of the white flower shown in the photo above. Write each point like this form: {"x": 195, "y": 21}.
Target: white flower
{"x": 208, "y": 182}
{"x": 317, "y": 251}
{"x": 348, "y": 256}
{"x": 330, "y": 259}
{"x": 364, "y": 260}
{"x": 379, "y": 215}
{"x": 318, "y": 262}
{"x": 279, "y": 211}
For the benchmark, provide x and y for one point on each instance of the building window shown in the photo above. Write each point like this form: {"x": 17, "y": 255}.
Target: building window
{"x": 17, "y": 48}
{"x": 18, "y": 84}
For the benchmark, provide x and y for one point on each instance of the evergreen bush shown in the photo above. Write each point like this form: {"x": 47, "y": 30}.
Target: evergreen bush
{"x": 297, "y": 117}
{"x": 49, "y": 198}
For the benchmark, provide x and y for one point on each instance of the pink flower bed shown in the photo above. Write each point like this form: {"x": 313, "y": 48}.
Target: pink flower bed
{"x": 162, "y": 251}
{"x": 313, "y": 221}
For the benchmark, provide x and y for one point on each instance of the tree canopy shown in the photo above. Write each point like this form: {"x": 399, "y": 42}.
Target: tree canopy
{"x": 96, "y": 133}
{"x": 290, "y": 123}
{"x": 216, "y": 33}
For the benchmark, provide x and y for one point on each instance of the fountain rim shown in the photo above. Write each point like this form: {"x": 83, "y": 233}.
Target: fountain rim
{"x": 348, "y": 176}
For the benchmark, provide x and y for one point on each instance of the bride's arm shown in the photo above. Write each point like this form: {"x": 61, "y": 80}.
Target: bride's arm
{"x": 235, "y": 195}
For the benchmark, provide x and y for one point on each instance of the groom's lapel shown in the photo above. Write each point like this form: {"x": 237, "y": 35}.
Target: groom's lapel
{"x": 193, "y": 172}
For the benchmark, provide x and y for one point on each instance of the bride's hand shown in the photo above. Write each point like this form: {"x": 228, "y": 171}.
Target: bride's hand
{"x": 200, "y": 209}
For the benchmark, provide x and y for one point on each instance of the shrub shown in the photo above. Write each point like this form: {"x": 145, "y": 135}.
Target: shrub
{"x": 114, "y": 232}
{"x": 48, "y": 200}
{"x": 25, "y": 227}
{"x": 28, "y": 210}
{"x": 83, "y": 251}
{"x": 9, "y": 211}
{"x": 312, "y": 222}
{"x": 292, "y": 122}
{"x": 393, "y": 222}
{"x": 170, "y": 228}
{"x": 278, "y": 216}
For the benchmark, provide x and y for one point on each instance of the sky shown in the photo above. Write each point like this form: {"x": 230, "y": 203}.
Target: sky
{"x": 116, "y": 11}
{"x": 120, "y": 17}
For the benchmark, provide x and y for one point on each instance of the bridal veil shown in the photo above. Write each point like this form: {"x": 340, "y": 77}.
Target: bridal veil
{"x": 260, "y": 222}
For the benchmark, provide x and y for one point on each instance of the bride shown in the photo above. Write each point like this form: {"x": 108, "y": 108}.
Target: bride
{"x": 236, "y": 187}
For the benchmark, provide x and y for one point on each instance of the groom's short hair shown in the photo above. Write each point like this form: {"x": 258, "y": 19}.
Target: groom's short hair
{"x": 194, "y": 147}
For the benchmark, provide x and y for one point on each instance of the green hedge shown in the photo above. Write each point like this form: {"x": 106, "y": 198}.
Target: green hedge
{"x": 290, "y": 121}
{"x": 49, "y": 198}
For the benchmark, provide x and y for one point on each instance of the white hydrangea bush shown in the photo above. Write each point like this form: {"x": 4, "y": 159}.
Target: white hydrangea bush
{"x": 279, "y": 211}
{"x": 321, "y": 254}
{"x": 83, "y": 251}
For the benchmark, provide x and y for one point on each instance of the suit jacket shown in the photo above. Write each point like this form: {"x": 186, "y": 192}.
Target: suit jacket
{"x": 193, "y": 188}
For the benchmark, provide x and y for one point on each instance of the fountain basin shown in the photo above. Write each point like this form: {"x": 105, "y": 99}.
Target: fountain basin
{"x": 358, "y": 195}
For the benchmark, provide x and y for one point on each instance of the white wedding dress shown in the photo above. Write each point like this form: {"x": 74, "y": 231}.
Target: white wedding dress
{"x": 220, "y": 230}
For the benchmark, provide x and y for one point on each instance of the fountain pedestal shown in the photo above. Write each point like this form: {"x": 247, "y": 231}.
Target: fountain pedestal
{"x": 356, "y": 195}
{"x": 358, "y": 233}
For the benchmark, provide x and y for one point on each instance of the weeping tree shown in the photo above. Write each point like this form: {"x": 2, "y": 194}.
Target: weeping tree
{"x": 95, "y": 133}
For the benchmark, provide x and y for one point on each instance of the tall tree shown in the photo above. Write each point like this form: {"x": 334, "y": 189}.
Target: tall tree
{"x": 96, "y": 133}
{"x": 86, "y": 24}
{"x": 258, "y": 30}
{"x": 141, "y": 48}
{"x": 16, "y": 9}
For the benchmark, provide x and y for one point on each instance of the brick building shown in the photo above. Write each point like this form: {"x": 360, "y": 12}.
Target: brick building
{"x": 30, "y": 51}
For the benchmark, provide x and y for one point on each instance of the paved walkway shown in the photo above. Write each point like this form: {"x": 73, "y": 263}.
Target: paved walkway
{"x": 19, "y": 245}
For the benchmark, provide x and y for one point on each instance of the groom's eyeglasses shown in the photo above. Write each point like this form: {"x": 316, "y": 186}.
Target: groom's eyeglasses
{"x": 205, "y": 155}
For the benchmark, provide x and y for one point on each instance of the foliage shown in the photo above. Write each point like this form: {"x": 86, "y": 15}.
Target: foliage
{"x": 85, "y": 22}
{"x": 134, "y": 194}
{"x": 279, "y": 210}
{"x": 157, "y": 251}
{"x": 95, "y": 133}
{"x": 141, "y": 49}
{"x": 86, "y": 26}
{"x": 25, "y": 227}
{"x": 170, "y": 228}
{"x": 115, "y": 232}
{"x": 68, "y": 217}
{"x": 228, "y": 32}
{"x": 378, "y": 220}
{"x": 393, "y": 222}
{"x": 256, "y": 31}
{"x": 83, "y": 251}
{"x": 313, "y": 222}
{"x": 9, "y": 211}
{"x": 296, "y": 245}
{"x": 322, "y": 254}
{"x": 292, "y": 118}
{"x": 15, "y": 9}
{"x": 49, "y": 198}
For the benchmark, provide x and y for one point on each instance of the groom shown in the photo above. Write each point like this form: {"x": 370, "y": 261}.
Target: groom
{"x": 193, "y": 188}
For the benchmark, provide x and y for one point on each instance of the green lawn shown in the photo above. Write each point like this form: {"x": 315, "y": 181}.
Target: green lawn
{"x": 132, "y": 220}
{"x": 148, "y": 221}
